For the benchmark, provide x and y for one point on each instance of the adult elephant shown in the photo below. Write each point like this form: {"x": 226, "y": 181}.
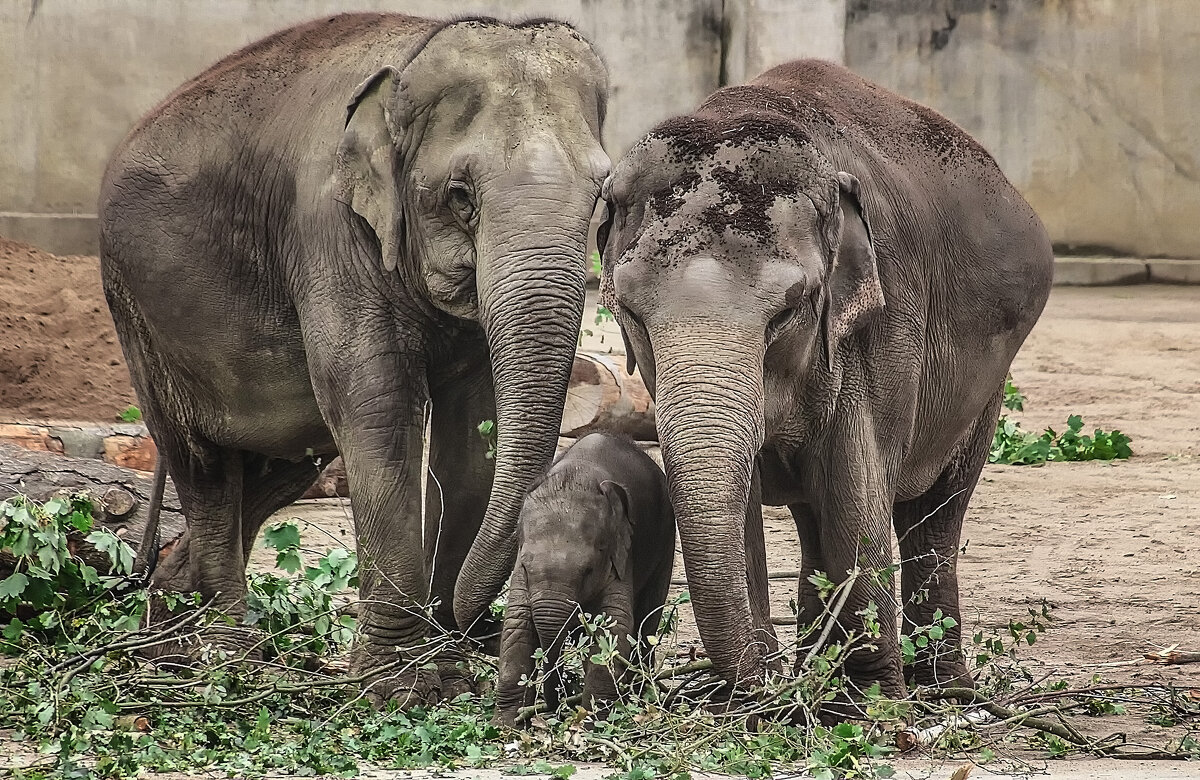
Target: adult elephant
{"x": 824, "y": 285}
{"x": 325, "y": 236}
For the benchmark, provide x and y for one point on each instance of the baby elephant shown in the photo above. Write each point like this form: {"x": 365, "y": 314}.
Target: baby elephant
{"x": 596, "y": 534}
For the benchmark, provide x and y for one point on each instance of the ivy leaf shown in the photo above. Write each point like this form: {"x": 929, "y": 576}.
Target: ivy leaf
{"x": 13, "y": 585}
{"x": 55, "y": 506}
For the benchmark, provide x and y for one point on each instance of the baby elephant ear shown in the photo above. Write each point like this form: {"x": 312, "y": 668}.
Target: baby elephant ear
{"x": 365, "y": 174}
{"x": 852, "y": 291}
{"x": 621, "y": 532}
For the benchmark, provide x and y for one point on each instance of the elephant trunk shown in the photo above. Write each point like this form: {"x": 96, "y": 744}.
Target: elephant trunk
{"x": 531, "y": 297}
{"x": 709, "y": 404}
{"x": 552, "y": 620}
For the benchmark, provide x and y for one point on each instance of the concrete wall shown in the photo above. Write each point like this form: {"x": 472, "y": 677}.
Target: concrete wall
{"x": 1092, "y": 107}
{"x": 74, "y": 76}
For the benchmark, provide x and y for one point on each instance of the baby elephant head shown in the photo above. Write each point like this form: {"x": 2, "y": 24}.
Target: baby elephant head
{"x": 574, "y": 545}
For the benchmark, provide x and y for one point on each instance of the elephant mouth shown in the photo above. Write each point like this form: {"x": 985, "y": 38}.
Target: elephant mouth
{"x": 455, "y": 291}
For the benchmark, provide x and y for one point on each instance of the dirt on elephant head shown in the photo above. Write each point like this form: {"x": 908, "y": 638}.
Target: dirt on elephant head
{"x": 59, "y": 354}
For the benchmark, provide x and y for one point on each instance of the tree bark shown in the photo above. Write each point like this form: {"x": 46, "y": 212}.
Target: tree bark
{"x": 602, "y": 397}
{"x": 331, "y": 483}
{"x": 120, "y": 497}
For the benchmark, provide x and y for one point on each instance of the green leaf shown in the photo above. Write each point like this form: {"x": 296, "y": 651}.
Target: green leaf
{"x": 56, "y": 506}
{"x": 81, "y": 521}
{"x": 13, "y": 585}
{"x": 131, "y": 414}
{"x": 12, "y": 632}
{"x": 289, "y": 561}
{"x": 283, "y": 535}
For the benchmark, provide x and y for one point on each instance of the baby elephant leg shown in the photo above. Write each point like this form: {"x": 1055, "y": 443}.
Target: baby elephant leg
{"x": 517, "y": 643}
{"x": 601, "y": 680}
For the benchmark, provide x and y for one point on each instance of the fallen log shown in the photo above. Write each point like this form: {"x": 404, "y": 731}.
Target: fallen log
{"x": 332, "y": 482}
{"x": 602, "y": 397}
{"x": 119, "y": 496}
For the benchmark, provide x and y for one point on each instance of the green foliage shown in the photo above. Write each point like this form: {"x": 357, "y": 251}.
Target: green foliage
{"x": 58, "y": 594}
{"x": 597, "y": 265}
{"x": 923, "y": 636}
{"x": 301, "y": 613}
{"x": 131, "y": 414}
{"x": 1014, "y": 446}
{"x": 487, "y": 432}
{"x": 76, "y": 695}
{"x": 1013, "y": 399}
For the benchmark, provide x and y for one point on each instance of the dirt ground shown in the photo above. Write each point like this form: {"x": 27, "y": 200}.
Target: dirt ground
{"x": 59, "y": 356}
{"x": 1113, "y": 547}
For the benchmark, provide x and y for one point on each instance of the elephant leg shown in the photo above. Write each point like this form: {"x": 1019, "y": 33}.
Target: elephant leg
{"x": 929, "y": 530}
{"x": 756, "y": 570}
{"x": 809, "y": 606}
{"x": 852, "y": 513}
{"x": 517, "y": 644}
{"x": 459, "y": 481}
{"x": 268, "y": 485}
{"x": 374, "y": 406}
{"x": 600, "y": 681}
{"x": 458, "y": 485}
{"x": 207, "y": 560}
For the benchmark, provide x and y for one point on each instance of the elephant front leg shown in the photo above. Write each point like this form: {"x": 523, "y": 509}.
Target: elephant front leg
{"x": 601, "y": 680}
{"x": 379, "y": 430}
{"x": 514, "y": 687}
{"x": 756, "y": 569}
{"x": 458, "y": 485}
{"x": 847, "y": 528}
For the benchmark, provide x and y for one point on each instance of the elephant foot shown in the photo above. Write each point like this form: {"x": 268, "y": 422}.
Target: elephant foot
{"x": 941, "y": 675}
{"x": 454, "y": 670}
{"x": 195, "y": 630}
{"x": 406, "y": 679}
{"x": 196, "y": 647}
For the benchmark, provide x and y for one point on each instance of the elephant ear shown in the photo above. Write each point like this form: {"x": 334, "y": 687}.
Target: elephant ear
{"x": 852, "y": 291}
{"x": 622, "y": 538}
{"x": 365, "y": 173}
{"x": 602, "y": 233}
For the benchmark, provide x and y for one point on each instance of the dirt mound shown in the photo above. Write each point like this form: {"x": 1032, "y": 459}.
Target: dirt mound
{"x": 59, "y": 355}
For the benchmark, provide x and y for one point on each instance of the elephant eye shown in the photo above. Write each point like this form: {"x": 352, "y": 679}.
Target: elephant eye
{"x": 781, "y": 322}
{"x": 461, "y": 201}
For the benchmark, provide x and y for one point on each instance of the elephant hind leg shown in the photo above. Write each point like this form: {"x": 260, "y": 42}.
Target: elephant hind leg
{"x": 208, "y": 558}
{"x": 268, "y": 485}
{"x": 929, "y": 529}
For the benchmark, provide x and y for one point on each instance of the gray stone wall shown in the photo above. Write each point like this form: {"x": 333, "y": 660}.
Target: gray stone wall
{"x": 1092, "y": 107}
{"x": 75, "y": 76}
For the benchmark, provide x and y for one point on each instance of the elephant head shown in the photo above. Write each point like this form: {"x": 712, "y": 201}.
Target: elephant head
{"x": 474, "y": 169}
{"x": 738, "y": 261}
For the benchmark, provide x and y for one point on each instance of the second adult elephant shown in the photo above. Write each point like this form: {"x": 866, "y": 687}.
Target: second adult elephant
{"x": 326, "y": 237}
{"x": 823, "y": 285}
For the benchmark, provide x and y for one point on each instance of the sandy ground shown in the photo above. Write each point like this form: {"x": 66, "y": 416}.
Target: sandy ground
{"x": 59, "y": 356}
{"x": 1114, "y": 548}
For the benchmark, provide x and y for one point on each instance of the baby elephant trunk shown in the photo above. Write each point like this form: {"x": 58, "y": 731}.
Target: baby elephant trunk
{"x": 553, "y": 618}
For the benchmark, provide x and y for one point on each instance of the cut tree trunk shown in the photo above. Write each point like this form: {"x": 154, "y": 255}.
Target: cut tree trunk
{"x": 119, "y": 496}
{"x": 602, "y": 397}
{"x": 331, "y": 483}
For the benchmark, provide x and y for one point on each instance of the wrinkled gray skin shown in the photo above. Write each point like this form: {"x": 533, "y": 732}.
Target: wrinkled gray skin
{"x": 596, "y": 534}
{"x": 823, "y": 285}
{"x": 331, "y": 234}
